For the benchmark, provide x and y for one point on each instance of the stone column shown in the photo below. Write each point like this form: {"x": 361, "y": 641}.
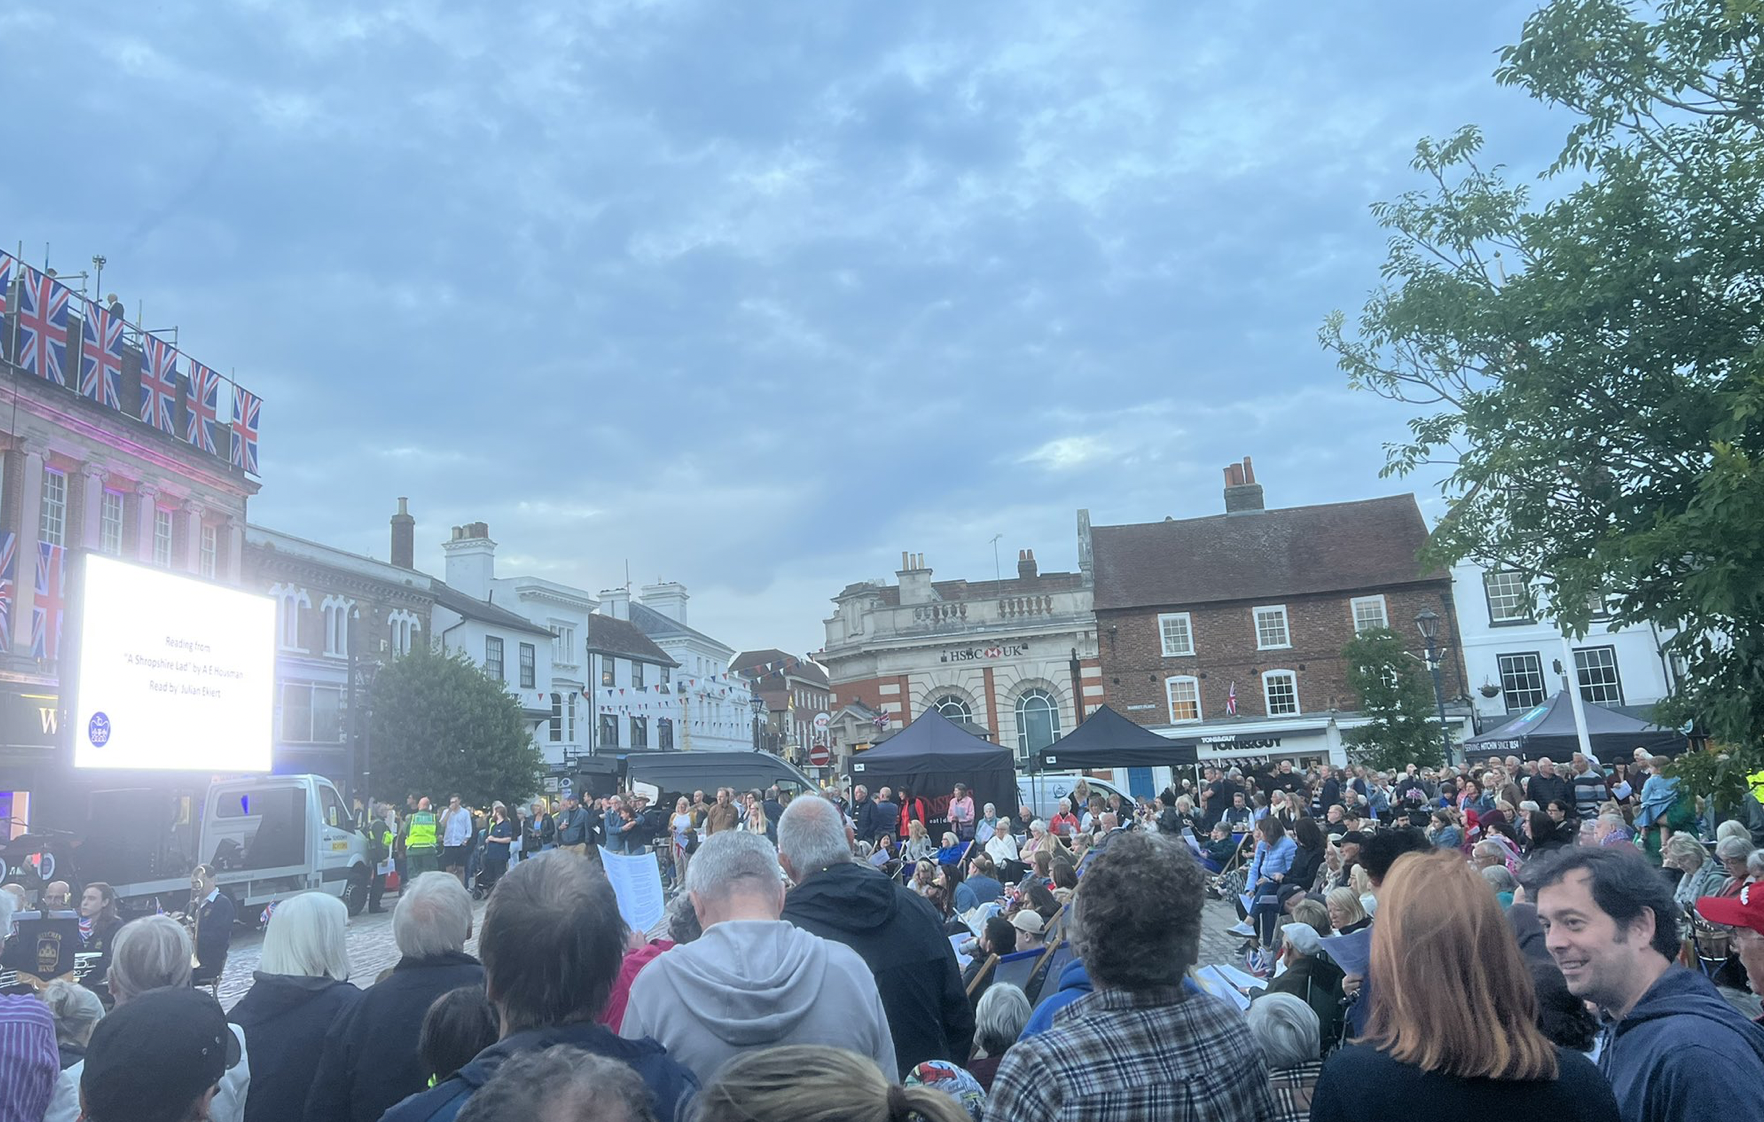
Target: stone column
{"x": 92, "y": 476}
{"x": 235, "y": 539}
{"x": 147, "y": 500}
{"x": 193, "y": 536}
{"x": 24, "y": 574}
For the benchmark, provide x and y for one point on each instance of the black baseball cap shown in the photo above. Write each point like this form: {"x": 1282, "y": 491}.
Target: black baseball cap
{"x": 150, "y": 1058}
{"x": 1355, "y": 837}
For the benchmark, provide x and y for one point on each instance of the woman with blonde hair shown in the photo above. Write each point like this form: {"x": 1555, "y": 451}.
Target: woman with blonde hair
{"x": 1454, "y": 1014}
{"x": 1346, "y": 914}
{"x": 769, "y": 1084}
{"x": 919, "y": 846}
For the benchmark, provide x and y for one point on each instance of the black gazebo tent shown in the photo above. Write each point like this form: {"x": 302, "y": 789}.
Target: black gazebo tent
{"x": 931, "y": 756}
{"x": 1107, "y": 739}
{"x": 1549, "y": 730}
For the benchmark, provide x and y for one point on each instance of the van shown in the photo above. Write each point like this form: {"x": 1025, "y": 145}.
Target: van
{"x": 1042, "y": 791}
{"x": 275, "y": 835}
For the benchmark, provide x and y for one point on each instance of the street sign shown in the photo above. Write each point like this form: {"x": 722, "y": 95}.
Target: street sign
{"x": 819, "y": 756}
{"x": 822, "y": 720}
{"x": 564, "y": 784}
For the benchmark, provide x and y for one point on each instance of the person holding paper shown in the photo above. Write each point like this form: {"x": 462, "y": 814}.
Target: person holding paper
{"x": 753, "y": 980}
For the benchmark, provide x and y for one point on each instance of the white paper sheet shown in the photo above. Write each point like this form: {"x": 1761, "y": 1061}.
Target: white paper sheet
{"x": 636, "y": 881}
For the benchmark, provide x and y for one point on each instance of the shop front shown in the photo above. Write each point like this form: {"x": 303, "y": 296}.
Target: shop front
{"x": 30, "y": 725}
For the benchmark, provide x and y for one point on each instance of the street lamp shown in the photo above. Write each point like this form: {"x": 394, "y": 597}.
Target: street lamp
{"x": 1427, "y": 622}
{"x": 759, "y": 711}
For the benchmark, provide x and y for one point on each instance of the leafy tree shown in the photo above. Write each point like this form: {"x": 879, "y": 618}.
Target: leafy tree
{"x": 442, "y": 727}
{"x": 1396, "y": 692}
{"x": 1589, "y": 369}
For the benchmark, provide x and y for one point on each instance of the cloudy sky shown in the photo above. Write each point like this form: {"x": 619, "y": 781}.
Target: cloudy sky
{"x": 754, "y": 295}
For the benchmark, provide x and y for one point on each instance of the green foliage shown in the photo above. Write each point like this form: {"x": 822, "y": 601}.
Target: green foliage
{"x": 1397, "y": 693}
{"x": 1719, "y": 772}
{"x": 441, "y": 727}
{"x": 1591, "y": 371}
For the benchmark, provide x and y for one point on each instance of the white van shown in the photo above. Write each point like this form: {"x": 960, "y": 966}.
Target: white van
{"x": 1042, "y": 792}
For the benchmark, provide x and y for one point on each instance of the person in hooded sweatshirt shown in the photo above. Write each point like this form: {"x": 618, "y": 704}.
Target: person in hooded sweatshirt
{"x": 752, "y": 980}
{"x": 301, "y": 987}
{"x": 897, "y": 933}
{"x": 1675, "y": 1050}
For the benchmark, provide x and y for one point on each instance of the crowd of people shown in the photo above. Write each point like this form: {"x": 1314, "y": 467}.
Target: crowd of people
{"x": 1455, "y": 942}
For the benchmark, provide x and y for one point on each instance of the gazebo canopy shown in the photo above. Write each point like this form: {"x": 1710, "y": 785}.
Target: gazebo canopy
{"x": 1107, "y": 739}
{"x": 932, "y": 755}
{"x": 1548, "y": 730}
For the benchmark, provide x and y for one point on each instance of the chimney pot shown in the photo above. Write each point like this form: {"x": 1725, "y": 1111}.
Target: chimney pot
{"x": 1249, "y": 471}
{"x": 905, "y": 559}
{"x": 404, "y": 536}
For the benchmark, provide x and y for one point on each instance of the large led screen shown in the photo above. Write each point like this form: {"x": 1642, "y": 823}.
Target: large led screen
{"x": 173, "y": 673}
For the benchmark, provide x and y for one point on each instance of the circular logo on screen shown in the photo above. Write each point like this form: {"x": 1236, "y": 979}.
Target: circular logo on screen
{"x": 98, "y": 730}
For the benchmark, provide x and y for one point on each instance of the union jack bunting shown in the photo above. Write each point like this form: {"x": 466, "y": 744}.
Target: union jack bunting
{"x": 101, "y": 356}
{"x": 41, "y": 326}
{"x": 8, "y": 577}
{"x": 247, "y": 411}
{"x": 159, "y": 384}
{"x": 46, "y": 612}
{"x": 202, "y": 398}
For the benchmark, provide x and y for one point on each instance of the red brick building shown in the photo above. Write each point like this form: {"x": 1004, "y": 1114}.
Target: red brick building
{"x": 1229, "y": 629}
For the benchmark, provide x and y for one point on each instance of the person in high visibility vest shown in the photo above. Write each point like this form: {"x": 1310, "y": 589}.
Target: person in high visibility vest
{"x": 382, "y": 832}
{"x": 422, "y": 840}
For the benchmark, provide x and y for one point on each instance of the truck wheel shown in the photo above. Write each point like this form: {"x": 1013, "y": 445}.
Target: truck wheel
{"x": 355, "y": 896}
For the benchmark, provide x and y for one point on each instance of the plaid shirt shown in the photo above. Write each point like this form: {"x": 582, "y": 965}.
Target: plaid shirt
{"x": 1114, "y": 1056}
{"x": 1293, "y": 1087}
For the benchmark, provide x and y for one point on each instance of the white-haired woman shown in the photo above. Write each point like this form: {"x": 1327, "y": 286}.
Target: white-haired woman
{"x": 302, "y": 986}
{"x": 1286, "y": 1029}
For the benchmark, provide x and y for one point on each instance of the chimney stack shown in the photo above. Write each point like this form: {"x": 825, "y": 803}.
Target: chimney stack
{"x": 1242, "y": 493}
{"x": 1026, "y": 567}
{"x": 471, "y": 560}
{"x": 403, "y": 536}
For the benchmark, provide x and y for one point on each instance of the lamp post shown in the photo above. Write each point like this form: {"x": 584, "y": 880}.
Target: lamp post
{"x": 1427, "y": 622}
{"x": 759, "y": 710}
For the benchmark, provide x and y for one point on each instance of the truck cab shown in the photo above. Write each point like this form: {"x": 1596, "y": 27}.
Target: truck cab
{"x": 272, "y": 836}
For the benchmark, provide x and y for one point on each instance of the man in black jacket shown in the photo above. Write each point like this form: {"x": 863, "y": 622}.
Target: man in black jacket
{"x": 370, "y": 1057}
{"x": 863, "y": 814}
{"x": 893, "y": 930}
{"x": 1546, "y": 787}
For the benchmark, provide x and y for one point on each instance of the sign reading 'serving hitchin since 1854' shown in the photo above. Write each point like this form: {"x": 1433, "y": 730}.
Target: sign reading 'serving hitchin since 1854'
{"x": 985, "y": 654}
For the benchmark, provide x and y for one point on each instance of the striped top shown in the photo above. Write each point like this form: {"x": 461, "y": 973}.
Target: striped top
{"x": 29, "y": 1062}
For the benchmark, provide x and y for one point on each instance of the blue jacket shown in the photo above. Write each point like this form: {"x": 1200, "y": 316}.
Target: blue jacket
{"x": 672, "y": 1085}
{"x": 1074, "y": 984}
{"x": 1684, "y": 1053}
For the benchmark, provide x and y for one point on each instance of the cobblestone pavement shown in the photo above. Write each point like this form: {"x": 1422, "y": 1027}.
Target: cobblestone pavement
{"x": 371, "y": 950}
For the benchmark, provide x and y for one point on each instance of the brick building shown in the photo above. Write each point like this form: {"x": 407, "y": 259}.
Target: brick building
{"x": 1228, "y": 630}
{"x": 1013, "y": 658}
{"x": 81, "y": 471}
{"x": 335, "y": 612}
{"x": 793, "y": 690}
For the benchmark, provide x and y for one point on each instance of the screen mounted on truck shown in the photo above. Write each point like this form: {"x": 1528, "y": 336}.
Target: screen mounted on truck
{"x": 173, "y": 673}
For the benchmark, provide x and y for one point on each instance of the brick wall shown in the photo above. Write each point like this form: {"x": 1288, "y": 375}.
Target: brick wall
{"x": 1134, "y": 668}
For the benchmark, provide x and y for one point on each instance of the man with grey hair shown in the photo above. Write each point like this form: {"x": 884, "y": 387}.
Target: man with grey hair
{"x": 1487, "y": 855}
{"x": 896, "y": 932}
{"x": 370, "y": 1059}
{"x": 752, "y": 980}
{"x": 149, "y": 954}
{"x": 561, "y": 1084}
{"x": 1286, "y": 1029}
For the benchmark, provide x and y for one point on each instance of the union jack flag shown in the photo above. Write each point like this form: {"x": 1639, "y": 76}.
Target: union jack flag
{"x": 203, "y": 401}
{"x": 1231, "y": 701}
{"x": 6, "y": 264}
{"x": 8, "y": 577}
{"x": 159, "y": 384}
{"x": 247, "y": 411}
{"x": 101, "y": 356}
{"x": 46, "y": 611}
{"x": 41, "y": 326}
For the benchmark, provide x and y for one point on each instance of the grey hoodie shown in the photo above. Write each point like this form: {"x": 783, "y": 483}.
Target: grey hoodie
{"x": 755, "y": 984}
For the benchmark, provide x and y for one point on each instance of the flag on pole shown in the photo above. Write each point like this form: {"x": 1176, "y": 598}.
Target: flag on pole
{"x": 159, "y": 384}
{"x": 101, "y": 355}
{"x": 247, "y": 412}
{"x": 1231, "y": 701}
{"x": 46, "y": 611}
{"x": 6, "y": 269}
{"x": 202, "y": 398}
{"x": 41, "y": 326}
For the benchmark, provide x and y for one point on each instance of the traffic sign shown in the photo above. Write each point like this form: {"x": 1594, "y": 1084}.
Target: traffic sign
{"x": 822, "y": 720}
{"x": 564, "y": 784}
{"x": 819, "y": 756}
